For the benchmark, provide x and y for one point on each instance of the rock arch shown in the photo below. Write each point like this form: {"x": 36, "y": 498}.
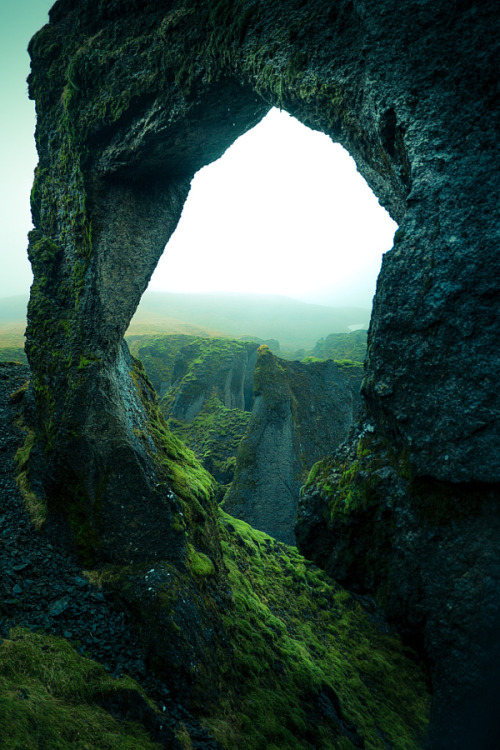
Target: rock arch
{"x": 133, "y": 98}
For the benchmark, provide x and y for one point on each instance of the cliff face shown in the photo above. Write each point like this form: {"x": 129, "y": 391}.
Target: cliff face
{"x": 199, "y": 653}
{"x": 210, "y": 398}
{"x": 131, "y": 100}
{"x": 157, "y": 354}
{"x": 301, "y": 413}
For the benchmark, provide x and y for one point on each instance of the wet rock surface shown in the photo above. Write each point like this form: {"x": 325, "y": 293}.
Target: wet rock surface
{"x": 43, "y": 588}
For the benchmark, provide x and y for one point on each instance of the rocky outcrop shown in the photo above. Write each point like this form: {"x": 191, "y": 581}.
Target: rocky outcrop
{"x": 116, "y": 658}
{"x": 157, "y": 354}
{"x": 123, "y": 125}
{"x": 206, "y": 367}
{"x": 428, "y": 552}
{"x": 350, "y": 346}
{"x": 301, "y": 413}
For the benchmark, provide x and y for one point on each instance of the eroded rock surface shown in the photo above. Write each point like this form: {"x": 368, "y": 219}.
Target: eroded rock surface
{"x": 428, "y": 551}
{"x": 72, "y": 639}
{"x": 132, "y": 102}
{"x": 300, "y": 414}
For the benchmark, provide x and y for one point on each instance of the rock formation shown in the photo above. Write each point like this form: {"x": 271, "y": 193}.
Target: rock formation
{"x": 301, "y": 413}
{"x": 428, "y": 552}
{"x": 132, "y": 98}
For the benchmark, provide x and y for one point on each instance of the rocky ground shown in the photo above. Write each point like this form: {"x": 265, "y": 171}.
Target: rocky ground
{"x": 43, "y": 588}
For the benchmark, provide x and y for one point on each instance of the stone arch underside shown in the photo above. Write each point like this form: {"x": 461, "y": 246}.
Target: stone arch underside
{"x": 131, "y": 102}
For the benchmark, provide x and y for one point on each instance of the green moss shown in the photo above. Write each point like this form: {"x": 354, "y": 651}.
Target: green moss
{"x": 51, "y": 697}
{"x": 307, "y": 360}
{"x": 178, "y": 468}
{"x": 346, "y": 349}
{"x": 320, "y": 468}
{"x": 270, "y": 379}
{"x": 183, "y": 736}
{"x": 348, "y": 485}
{"x": 297, "y": 635}
{"x": 175, "y": 462}
{"x": 198, "y": 563}
{"x": 201, "y": 369}
{"x": 87, "y": 361}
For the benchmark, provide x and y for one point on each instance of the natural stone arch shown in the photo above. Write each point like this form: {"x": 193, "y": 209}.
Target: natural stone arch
{"x": 133, "y": 98}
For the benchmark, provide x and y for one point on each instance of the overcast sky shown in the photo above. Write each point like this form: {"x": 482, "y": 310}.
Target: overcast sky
{"x": 282, "y": 212}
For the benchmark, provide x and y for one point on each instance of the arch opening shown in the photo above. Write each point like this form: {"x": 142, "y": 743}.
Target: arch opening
{"x": 283, "y": 212}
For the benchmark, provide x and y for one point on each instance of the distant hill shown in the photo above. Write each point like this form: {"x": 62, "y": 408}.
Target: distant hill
{"x": 13, "y": 321}
{"x": 342, "y": 346}
{"x": 294, "y": 324}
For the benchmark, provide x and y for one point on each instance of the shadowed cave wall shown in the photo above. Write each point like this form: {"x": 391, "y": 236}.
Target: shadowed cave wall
{"x": 133, "y": 98}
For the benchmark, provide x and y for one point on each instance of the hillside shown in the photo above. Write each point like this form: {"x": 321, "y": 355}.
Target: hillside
{"x": 12, "y": 324}
{"x": 295, "y": 324}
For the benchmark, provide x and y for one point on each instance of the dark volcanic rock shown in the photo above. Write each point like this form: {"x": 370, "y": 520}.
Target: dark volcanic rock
{"x": 60, "y": 625}
{"x": 43, "y": 589}
{"x": 429, "y": 552}
{"x": 206, "y": 367}
{"x": 209, "y": 402}
{"x": 301, "y": 412}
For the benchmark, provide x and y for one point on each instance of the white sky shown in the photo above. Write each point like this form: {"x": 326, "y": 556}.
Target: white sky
{"x": 282, "y": 212}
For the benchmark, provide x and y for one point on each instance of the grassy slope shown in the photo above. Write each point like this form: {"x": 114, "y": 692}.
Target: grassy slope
{"x": 314, "y": 670}
{"x": 50, "y": 697}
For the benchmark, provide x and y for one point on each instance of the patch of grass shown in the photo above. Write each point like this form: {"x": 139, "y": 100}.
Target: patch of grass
{"x": 50, "y": 697}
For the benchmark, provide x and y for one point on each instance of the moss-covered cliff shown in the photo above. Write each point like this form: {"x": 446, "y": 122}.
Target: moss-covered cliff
{"x": 428, "y": 552}
{"x": 207, "y": 389}
{"x": 240, "y": 642}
